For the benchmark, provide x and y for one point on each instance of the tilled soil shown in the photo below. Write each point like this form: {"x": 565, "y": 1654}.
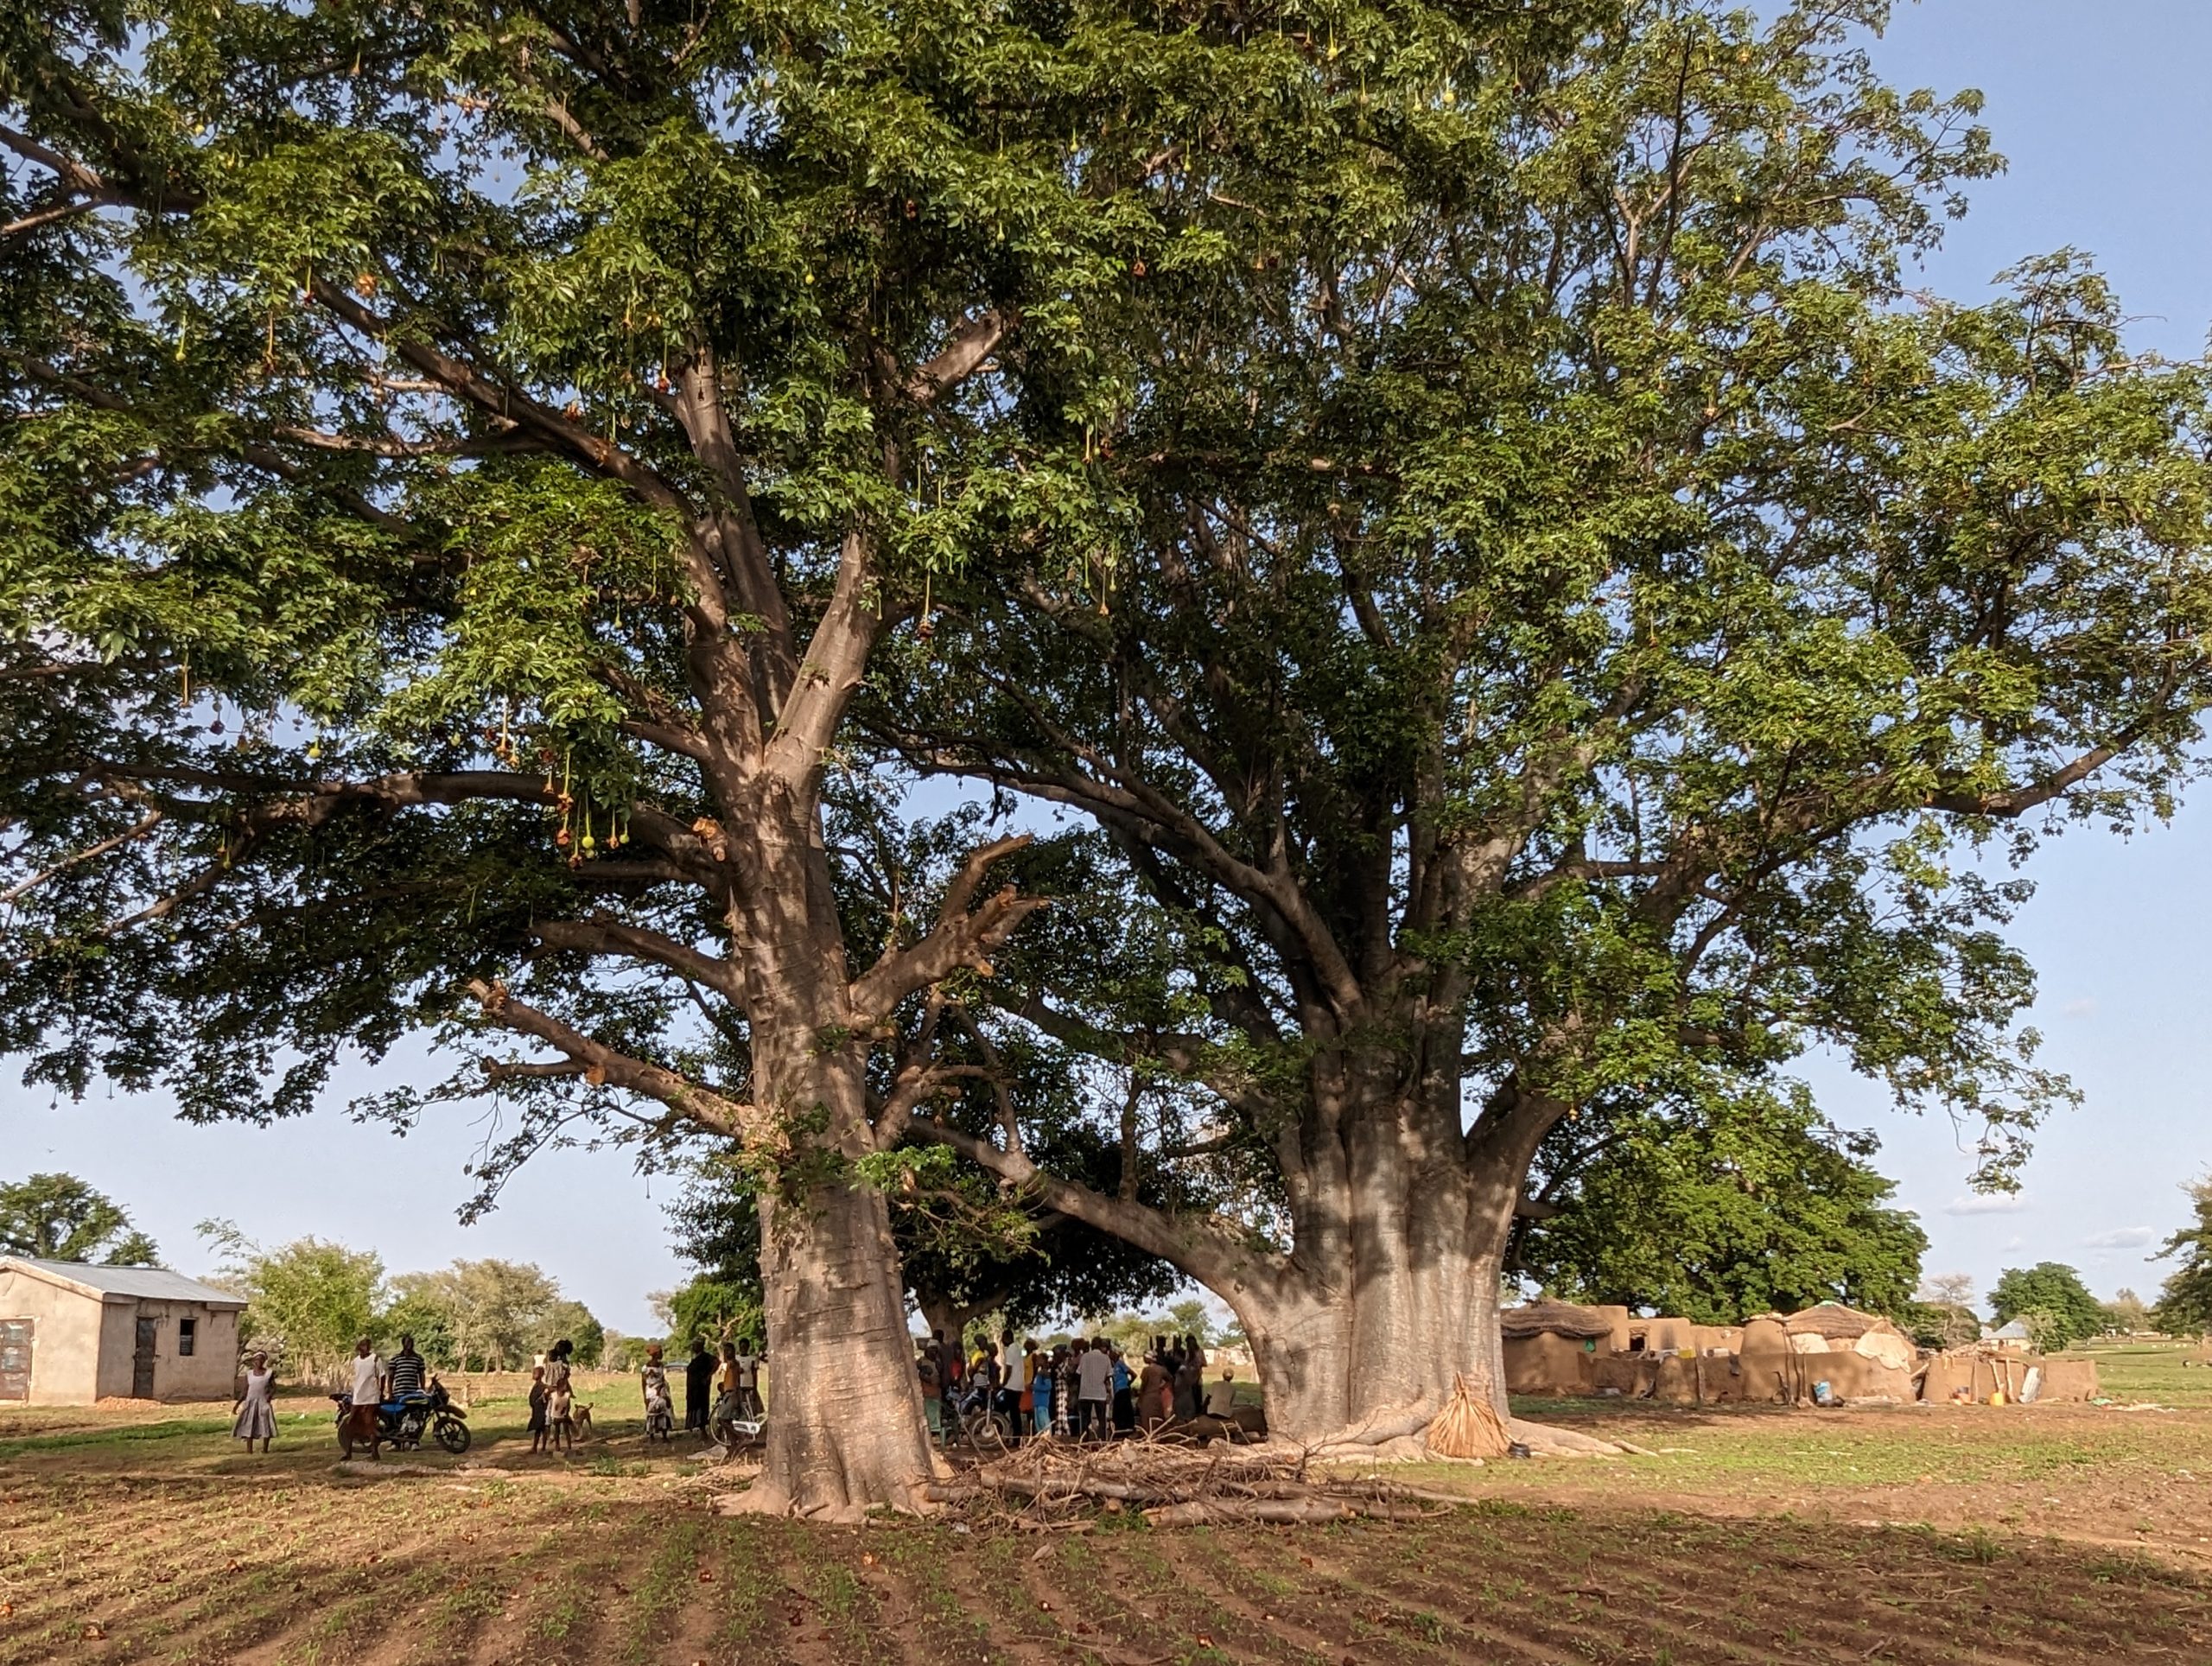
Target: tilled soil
{"x": 627, "y": 1564}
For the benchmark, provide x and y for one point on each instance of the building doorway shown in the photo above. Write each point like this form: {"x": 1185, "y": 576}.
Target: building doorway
{"x": 16, "y": 1336}
{"x": 142, "y": 1360}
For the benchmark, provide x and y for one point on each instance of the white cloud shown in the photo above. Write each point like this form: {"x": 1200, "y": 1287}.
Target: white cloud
{"x": 1987, "y": 1203}
{"x": 2122, "y": 1237}
{"x": 2011, "y": 1244}
{"x": 2080, "y": 1008}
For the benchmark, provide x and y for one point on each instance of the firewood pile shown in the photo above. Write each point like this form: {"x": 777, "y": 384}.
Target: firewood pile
{"x": 1057, "y": 1482}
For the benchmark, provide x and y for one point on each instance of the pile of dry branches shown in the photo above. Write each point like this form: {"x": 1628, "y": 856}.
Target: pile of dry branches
{"x": 1176, "y": 1484}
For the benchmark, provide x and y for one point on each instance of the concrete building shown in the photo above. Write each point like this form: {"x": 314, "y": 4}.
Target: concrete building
{"x": 71, "y": 1334}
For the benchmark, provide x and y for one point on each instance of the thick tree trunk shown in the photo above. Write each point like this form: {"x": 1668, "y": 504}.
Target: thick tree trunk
{"x": 942, "y": 1313}
{"x": 1391, "y": 1293}
{"x": 845, "y": 1427}
{"x": 1367, "y": 1352}
{"x": 845, "y": 1430}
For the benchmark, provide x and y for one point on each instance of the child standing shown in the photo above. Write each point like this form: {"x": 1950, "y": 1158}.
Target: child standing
{"x": 538, "y": 1398}
{"x": 559, "y": 1403}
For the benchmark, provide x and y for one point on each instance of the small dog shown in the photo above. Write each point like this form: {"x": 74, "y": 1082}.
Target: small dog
{"x": 580, "y": 1423}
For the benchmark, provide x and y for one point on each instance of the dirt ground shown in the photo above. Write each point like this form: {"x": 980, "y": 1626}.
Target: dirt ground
{"x": 2037, "y": 1533}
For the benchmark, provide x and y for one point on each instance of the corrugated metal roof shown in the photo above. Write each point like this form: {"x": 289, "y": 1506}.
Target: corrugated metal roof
{"x": 145, "y": 1283}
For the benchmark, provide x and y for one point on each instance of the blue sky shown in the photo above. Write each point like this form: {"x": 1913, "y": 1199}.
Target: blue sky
{"x": 2099, "y": 108}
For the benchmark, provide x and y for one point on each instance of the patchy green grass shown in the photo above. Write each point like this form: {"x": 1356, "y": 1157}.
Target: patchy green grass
{"x": 2171, "y": 1373}
{"x": 122, "y": 1435}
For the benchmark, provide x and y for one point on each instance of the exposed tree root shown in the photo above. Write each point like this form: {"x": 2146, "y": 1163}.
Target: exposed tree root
{"x": 370, "y": 1469}
{"x": 1176, "y": 1485}
{"x": 1545, "y": 1441}
{"x": 766, "y": 1497}
{"x": 1400, "y": 1437}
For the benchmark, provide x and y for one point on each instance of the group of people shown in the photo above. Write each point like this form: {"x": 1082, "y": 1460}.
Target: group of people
{"x": 715, "y": 1390}
{"x": 1084, "y": 1389}
{"x": 372, "y": 1381}
{"x": 553, "y": 1399}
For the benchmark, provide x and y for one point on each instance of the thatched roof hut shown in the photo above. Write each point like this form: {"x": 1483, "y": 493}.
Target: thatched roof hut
{"x": 1548, "y": 1318}
{"x": 1836, "y": 1321}
{"x": 1835, "y": 1328}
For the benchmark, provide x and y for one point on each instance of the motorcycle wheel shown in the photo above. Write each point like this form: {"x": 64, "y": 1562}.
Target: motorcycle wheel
{"x": 986, "y": 1431}
{"x": 453, "y": 1434}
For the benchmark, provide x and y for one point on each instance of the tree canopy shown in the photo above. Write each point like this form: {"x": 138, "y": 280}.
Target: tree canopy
{"x": 2051, "y": 1298}
{"x": 462, "y": 460}
{"x": 1570, "y": 619}
{"x": 2185, "y": 1304}
{"x": 307, "y": 1302}
{"x": 60, "y": 1218}
{"x": 1751, "y": 1205}
{"x": 1536, "y": 607}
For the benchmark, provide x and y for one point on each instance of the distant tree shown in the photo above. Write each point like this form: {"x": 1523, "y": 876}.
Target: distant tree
{"x": 574, "y": 1321}
{"x": 1189, "y": 1317}
{"x": 2126, "y": 1313}
{"x": 2049, "y": 1294}
{"x": 59, "y": 1218}
{"x": 2185, "y": 1299}
{"x": 493, "y": 1312}
{"x": 1734, "y": 1205}
{"x": 2046, "y": 1328}
{"x": 309, "y": 1298}
{"x": 500, "y": 1309}
{"x": 1942, "y": 1315}
{"x": 716, "y": 1312}
{"x": 1949, "y": 1290}
{"x": 1134, "y": 1332}
{"x": 418, "y": 1310}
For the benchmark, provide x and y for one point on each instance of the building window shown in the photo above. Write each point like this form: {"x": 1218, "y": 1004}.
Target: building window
{"x": 188, "y": 1332}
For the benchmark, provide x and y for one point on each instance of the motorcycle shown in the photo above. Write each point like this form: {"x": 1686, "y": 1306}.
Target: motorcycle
{"x": 402, "y": 1422}
{"x": 738, "y": 1421}
{"x": 979, "y": 1417}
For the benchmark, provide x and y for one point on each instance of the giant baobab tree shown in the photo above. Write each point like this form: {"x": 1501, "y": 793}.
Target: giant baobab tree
{"x": 1570, "y": 626}
{"x": 460, "y": 459}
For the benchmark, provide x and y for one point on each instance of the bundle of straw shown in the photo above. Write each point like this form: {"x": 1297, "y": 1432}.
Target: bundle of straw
{"x": 1468, "y": 1426}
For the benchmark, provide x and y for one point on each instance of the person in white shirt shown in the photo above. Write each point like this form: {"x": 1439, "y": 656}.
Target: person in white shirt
{"x": 360, "y": 1422}
{"x": 748, "y": 1380}
{"x": 1094, "y": 1380}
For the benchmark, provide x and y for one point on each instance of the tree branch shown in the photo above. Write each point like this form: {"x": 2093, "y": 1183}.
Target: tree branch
{"x": 830, "y": 674}
{"x": 617, "y": 937}
{"x": 1210, "y": 1250}
{"x": 961, "y": 938}
{"x": 603, "y": 1064}
{"x": 972, "y": 343}
{"x": 152, "y": 820}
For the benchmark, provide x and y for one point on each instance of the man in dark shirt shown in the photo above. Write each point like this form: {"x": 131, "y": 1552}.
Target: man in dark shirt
{"x": 405, "y": 1373}
{"x": 698, "y": 1386}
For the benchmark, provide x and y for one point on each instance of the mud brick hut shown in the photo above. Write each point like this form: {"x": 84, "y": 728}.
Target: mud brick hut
{"x": 1859, "y": 1356}
{"x": 71, "y": 1334}
{"x": 1551, "y": 1347}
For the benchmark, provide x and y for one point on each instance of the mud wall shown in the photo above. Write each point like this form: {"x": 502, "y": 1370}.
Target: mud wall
{"x": 1548, "y": 1365}
{"x": 1981, "y": 1376}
